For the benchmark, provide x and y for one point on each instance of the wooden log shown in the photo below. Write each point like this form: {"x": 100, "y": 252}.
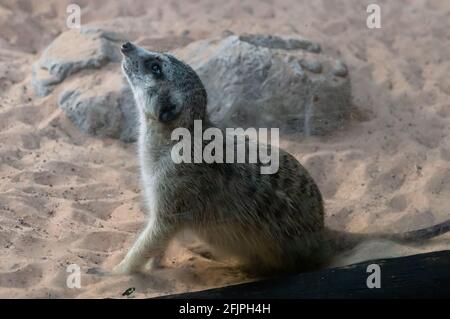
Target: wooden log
{"x": 418, "y": 276}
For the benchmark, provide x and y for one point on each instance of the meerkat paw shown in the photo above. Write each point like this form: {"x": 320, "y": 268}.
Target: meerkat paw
{"x": 124, "y": 268}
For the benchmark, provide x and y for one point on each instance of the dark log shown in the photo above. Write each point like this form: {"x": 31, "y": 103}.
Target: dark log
{"x": 417, "y": 276}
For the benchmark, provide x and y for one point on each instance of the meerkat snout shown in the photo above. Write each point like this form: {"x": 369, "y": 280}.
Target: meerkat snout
{"x": 127, "y": 46}
{"x": 164, "y": 88}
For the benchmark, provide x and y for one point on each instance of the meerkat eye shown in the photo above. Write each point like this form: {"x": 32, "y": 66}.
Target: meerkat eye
{"x": 154, "y": 67}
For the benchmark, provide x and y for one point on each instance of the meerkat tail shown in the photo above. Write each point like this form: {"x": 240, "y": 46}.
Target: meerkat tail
{"x": 341, "y": 241}
{"x": 421, "y": 234}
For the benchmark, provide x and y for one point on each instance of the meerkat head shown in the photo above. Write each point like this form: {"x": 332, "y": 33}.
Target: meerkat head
{"x": 166, "y": 90}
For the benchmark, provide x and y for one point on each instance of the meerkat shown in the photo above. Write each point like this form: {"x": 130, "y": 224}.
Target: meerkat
{"x": 274, "y": 223}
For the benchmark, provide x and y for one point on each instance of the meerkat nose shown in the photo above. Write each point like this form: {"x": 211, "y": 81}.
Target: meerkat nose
{"x": 127, "y": 47}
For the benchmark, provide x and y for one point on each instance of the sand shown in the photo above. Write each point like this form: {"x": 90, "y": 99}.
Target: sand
{"x": 68, "y": 198}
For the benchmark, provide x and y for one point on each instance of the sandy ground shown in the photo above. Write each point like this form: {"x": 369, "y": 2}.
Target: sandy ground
{"x": 67, "y": 198}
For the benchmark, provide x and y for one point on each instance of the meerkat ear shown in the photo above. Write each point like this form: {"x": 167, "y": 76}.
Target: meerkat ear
{"x": 168, "y": 108}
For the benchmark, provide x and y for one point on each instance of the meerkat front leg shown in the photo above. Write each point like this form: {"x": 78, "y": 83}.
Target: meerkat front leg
{"x": 150, "y": 243}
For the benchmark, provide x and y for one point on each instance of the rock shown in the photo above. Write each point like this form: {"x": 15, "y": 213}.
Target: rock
{"x": 340, "y": 69}
{"x": 251, "y": 80}
{"x": 311, "y": 66}
{"x": 101, "y": 104}
{"x": 72, "y": 51}
{"x": 268, "y": 81}
{"x": 275, "y": 42}
{"x": 98, "y": 100}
